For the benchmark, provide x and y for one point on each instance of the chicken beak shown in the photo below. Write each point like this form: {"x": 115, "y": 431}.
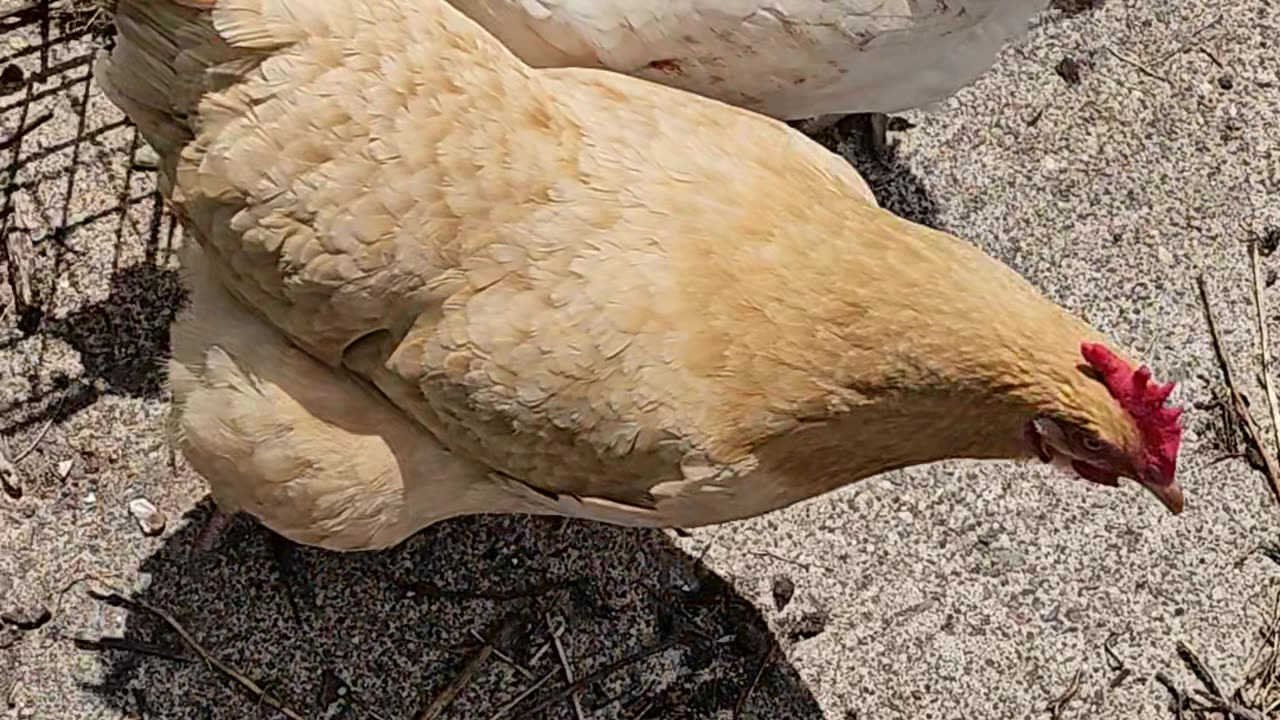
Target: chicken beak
{"x": 1169, "y": 493}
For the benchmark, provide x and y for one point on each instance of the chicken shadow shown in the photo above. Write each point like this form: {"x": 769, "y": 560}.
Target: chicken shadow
{"x": 73, "y": 205}
{"x": 654, "y": 633}
{"x": 122, "y": 342}
{"x": 895, "y": 185}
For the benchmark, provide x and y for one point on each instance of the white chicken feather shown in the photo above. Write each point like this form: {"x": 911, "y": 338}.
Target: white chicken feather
{"x": 791, "y": 59}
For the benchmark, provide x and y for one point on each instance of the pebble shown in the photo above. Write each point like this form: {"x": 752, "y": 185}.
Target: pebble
{"x": 783, "y": 590}
{"x": 150, "y": 520}
{"x": 146, "y": 158}
{"x": 11, "y": 79}
{"x": 64, "y": 469}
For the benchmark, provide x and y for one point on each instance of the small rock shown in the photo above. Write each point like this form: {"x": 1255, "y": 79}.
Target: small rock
{"x": 1068, "y": 68}
{"x": 150, "y": 520}
{"x": 27, "y": 617}
{"x": 64, "y": 469}
{"x": 146, "y": 158}
{"x": 1009, "y": 559}
{"x": 11, "y": 79}
{"x": 783, "y": 590}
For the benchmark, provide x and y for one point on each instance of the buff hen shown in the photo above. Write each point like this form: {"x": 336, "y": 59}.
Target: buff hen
{"x": 430, "y": 280}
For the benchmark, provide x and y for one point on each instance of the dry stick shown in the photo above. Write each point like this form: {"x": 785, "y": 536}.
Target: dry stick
{"x": 510, "y": 661}
{"x": 498, "y": 633}
{"x": 9, "y": 467}
{"x": 1138, "y": 66}
{"x": 1231, "y": 709}
{"x": 755, "y": 680}
{"x": 1253, "y": 435}
{"x": 505, "y": 709}
{"x": 226, "y": 669}
{"x": 125, "y": 645}
{"x": 1259, "y": 310}
{"x": 605, "y": 671}
{"x": 1198, "y": 668}
{"x": 1114, "y": 662}
{"x": 575, "y": 697}
{"x": 1191, "y": 40}
{"x": 455, "y": 686}
{"x": 1179, "y": 697}
{"x": 1056, "y": 706}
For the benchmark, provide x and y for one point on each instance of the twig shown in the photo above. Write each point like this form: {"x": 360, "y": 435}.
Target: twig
{"x": 9, "y": 467}
{"x": 113, "y": 597}
{"x": 1139, "y": 66}
{"x": 1198, "y": 668}
{"x": 125, "y": 645}
{"x": 1259, "y": 310}
{"x": 1191, "y": 40}
{"x": 500, "y": 632}
{"x": 39, "y": 439}
{"x": 1056, "y": 706}
{"x": 1179, "y": 697}
{"x": 1114, "y": 662}
{"x": 755, "y": 680}
{"x": 510, "y": 661}
{"x": 1253, "y": 435}
{"x": 506, "y": 709}
{"x": 575, "y": 696}
{"x": 602, "y": 672}
{"x": 1215, "y": 702}
{"x": 455, "y": 686}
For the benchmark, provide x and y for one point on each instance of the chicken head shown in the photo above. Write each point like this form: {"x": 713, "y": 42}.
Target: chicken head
{"x": 1146, "y": 450}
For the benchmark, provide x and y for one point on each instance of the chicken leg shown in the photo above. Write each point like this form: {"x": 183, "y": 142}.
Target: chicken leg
{"x": 874, "y": 128}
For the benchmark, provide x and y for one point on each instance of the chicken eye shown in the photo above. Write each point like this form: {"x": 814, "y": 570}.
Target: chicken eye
{"x": 1091, "y": 444}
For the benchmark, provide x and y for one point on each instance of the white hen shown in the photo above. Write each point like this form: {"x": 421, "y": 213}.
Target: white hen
{"x": 791, "y": 59}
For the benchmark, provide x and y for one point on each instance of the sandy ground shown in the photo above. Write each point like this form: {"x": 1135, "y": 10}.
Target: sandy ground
{"x": 959, "y": 590}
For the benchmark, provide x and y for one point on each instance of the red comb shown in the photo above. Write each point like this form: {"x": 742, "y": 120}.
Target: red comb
{"x": 1144, "y": 401}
